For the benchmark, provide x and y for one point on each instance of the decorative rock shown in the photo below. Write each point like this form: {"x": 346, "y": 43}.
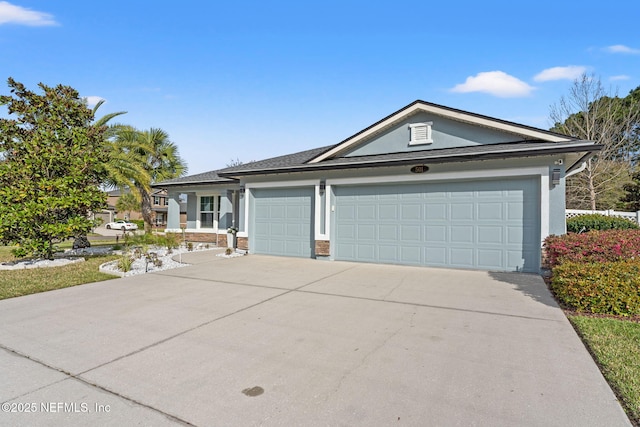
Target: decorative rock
{"x": 81, "y": 243}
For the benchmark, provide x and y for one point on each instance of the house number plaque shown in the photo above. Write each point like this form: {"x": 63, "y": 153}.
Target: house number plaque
{"x": 420, "y": 169}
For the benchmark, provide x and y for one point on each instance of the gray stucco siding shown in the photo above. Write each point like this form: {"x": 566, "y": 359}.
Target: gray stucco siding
{"x": 446, "y": 133}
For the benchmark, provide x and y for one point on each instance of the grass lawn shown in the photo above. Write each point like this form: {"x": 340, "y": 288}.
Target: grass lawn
{"x": 14, "y": 283}
{"x": 615, "y": 344}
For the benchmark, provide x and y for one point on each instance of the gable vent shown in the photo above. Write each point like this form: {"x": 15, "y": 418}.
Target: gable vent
{"x": 420, "y": 133}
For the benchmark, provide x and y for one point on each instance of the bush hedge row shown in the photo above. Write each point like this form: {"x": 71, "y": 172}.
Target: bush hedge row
{"x": 599, "y": 287}
{"x": 584, "y": 223}
{"x": 595, "y": 246}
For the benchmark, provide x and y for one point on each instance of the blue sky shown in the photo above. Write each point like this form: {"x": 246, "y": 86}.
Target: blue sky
{"x": 257, "y": 79}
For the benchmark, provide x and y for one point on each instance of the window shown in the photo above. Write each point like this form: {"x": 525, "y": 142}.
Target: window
{"x": 206, "y": 211}
{"x": 209, "y": 211}
{"x": 420, "y": 133}
{"x": 166, "y": 201}
{"x": 156, "y": 200}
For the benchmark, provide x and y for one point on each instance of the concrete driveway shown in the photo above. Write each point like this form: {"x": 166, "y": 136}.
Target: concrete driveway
{"x": 261, "y": 340}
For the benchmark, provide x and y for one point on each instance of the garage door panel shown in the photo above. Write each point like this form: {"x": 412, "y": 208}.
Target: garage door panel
{"x": 490, "y": 235}
{"x": 367, "y": 231}
{"x": 461, "y": 257}
{"x": 388, "y": 253}
{"x": 461, "y": 211}
{"x": 388, "y": 212}
{"x": 462, "y": 234}
{"x": 481, "y": 224}
{"x": 436, "y": 256}
{"x": 436, "y": 211}
{"x": 411, "y": 255}
{"x": 411, "y": 212}
{"x": 366, "y": 252}
{"x": 490, "y": 211}
{"x": 389, "y": 232}
{"x": 436, "y": 233}
{"x": 490, "y": 258}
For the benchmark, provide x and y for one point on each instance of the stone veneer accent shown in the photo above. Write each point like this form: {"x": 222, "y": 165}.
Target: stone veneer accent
{"x": 323, "y": 248}
{"x": 221, "y": 240}
{"x": 242, "y": 243}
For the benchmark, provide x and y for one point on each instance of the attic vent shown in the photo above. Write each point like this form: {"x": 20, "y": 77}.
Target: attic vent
{"x": 420, "y": 133}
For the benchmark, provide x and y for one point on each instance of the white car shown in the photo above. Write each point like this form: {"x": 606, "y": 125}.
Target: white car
{"x": 121, "y": 225}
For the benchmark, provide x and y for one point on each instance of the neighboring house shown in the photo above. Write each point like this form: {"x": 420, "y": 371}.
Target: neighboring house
{"x": 159, "y": 207}
{"x": 427, "y": 185}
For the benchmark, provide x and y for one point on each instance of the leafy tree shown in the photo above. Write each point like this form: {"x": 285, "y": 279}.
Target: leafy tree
{"x": 631, "y": 200}
{"x": 589, "y": 113}
{"x": 50, "y": 168}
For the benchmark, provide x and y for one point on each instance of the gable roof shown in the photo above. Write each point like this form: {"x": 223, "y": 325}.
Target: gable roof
{"x": 523, "y": 132}
{"x": 528, "y": 142}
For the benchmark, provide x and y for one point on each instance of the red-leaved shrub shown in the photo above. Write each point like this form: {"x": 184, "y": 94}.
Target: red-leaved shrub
{"x": 594, "y": 246}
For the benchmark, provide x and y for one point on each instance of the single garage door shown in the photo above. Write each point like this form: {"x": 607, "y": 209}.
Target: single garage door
{"x": 488, "y": 225}
{"x": 283, "y": 221}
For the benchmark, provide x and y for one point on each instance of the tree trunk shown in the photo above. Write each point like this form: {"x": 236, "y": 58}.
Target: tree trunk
{"x": 147, "y": 212}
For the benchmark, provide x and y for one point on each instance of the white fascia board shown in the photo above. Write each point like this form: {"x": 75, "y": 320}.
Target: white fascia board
{"x": 283, "y": 184}
{"x": 442, "y": 176}
{"x": 459, "y": 116}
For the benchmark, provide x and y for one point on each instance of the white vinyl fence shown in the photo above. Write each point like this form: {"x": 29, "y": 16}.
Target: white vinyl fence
{"x": 631, "y": 216}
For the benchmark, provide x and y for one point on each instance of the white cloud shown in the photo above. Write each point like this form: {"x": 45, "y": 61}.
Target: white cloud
{"x": 12, "y": 14}
{"x": 620, "y": 77}
{"x": 570, "y": 72}
{"x": 620, "y": 48}
{"x": 93, "y": 100}
{"x": 496, "y": 83}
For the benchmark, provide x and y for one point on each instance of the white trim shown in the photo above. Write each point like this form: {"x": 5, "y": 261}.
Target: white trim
{"x": 283, "y": 184}
{"x": 544, "y": 206}
{"x": 317, "y": 215}
{"x": 215, "y": 224}
{"x": 488, "y": 174}
{"x": 460, "y": 116}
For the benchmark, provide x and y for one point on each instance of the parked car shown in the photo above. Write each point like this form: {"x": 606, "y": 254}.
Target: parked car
{"x": 121, "y": 225}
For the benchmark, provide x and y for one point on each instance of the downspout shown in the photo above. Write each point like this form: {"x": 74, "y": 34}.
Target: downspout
{"x": 575, "y": 171}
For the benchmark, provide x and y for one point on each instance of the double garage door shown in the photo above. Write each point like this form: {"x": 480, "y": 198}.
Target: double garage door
{"x": 488, "y": 225}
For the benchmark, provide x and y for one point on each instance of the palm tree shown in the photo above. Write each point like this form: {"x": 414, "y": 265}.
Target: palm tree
{"x": 161, "y": 161}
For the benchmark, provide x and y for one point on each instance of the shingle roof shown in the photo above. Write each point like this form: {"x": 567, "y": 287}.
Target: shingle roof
{"x": 297, "y": 162}
{"x": 210, "y": 177}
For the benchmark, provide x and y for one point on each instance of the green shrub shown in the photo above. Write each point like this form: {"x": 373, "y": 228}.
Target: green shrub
{"x": 590, "y": 222}
{"x": 595, "y": 246}
{"x": 124, "y": 263}
{"x": 599, "y": 287}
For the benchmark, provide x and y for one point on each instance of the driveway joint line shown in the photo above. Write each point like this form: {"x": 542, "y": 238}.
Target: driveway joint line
{"x": 77, "y": 377}
{"x": 299, "y": 289}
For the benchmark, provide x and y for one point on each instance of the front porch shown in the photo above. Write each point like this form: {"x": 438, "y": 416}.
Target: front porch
{"x": 210, "y": 212}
